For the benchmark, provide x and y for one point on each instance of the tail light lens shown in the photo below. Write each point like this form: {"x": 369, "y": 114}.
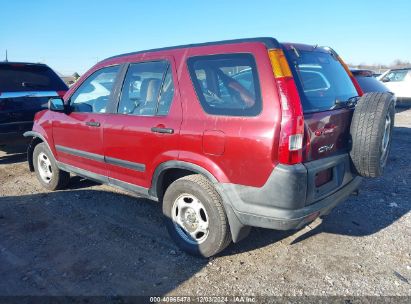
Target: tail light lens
{"x": 292, "y": 122}
{"x": 61, "y": 93}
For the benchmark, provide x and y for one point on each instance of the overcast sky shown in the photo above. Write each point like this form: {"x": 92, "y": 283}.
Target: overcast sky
{"x": 72, "y": 35}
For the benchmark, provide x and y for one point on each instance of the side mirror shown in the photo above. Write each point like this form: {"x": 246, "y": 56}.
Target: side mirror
{"x": 56, "y": 104}
{"x": 385, "y": 79}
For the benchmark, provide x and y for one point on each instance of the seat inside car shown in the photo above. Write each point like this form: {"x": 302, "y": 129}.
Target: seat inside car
{"x": 149, "y": 92}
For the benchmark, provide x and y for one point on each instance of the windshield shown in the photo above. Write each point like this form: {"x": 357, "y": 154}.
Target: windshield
{"x": 321, "y": 80}
{"x": 29, "y": 77}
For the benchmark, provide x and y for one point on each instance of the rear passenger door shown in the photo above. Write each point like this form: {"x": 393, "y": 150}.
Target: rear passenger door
{"x": 145, "y": 130}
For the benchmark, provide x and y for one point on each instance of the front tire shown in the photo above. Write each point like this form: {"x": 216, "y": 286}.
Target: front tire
{"x": 47, "y": 172}
{"x": 195, "y": 217}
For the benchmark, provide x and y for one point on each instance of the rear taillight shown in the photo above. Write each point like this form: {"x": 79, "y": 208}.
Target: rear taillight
{"x": 292, "y": 122}
{"x": 61, "y": 93}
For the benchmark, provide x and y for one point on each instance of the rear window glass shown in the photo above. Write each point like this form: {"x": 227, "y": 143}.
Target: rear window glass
{"x": 23, "y": 77}
{"x": 226, "y": 84}
{"x": 321, "y": 80}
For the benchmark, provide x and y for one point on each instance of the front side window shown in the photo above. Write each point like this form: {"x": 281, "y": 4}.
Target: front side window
{"x": 147, "y": 89}
{"x": 226, "y": 84}
{"x": 94, "y": 93}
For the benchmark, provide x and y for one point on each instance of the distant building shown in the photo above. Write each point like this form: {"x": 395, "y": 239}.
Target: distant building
{"x": 69, "y": 80}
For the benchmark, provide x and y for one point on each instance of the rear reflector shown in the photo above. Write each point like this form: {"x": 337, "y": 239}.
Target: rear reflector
{"x": 295, "y": 142}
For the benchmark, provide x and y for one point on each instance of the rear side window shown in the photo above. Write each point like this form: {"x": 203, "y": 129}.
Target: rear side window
{"x": 16, "y": 77}
{"x": 321, "y": 80}
{"x": 226, "y": 84}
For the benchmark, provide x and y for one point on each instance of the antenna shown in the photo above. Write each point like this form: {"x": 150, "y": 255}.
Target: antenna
{"x": 6, "y": 58}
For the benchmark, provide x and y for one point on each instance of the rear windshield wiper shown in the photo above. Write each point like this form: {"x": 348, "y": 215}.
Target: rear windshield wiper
{"x": 349, "y": 103}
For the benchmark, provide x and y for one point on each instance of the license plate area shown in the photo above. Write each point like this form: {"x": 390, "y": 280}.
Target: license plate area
{"x": 323, "y": 177}
{"x": 327, "y": 176}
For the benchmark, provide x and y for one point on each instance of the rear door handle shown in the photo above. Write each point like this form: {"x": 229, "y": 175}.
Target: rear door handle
{"x": 93, "y": 124}
{"x": 162, "y": 130}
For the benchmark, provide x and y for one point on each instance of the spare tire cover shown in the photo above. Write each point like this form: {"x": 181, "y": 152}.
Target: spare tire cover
{"x": 371, "y": 133}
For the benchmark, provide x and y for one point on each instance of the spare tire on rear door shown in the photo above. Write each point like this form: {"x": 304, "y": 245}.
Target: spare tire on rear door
{"x": 371, "y": 130}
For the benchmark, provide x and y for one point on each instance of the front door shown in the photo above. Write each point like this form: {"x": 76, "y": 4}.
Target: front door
{"x": 78, "y": 136}
{"x": 145, "y": 130}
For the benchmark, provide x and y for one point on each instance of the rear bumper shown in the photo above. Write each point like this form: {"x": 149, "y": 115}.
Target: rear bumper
{"x": 281, "y": 219}
{"x": 290, "y": 198}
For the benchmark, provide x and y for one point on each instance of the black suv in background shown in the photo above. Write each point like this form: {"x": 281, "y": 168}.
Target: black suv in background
{"x": 25, "y": 89}
{"x": 368, "y": 82}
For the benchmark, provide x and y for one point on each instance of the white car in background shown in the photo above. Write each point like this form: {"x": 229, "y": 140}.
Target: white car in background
{"x": 398, "y": 81}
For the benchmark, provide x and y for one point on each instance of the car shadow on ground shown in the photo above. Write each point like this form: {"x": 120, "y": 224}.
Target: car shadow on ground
{"x": 13, "y": 158}
{"x": 88, "y": 242}
{"x": 13, "y": 154}
{"x": 78, "y": 182}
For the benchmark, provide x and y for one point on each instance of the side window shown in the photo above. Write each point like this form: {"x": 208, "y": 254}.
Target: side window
{"x": 94, "y": 93}
{"x": 226, "y": 84}
{"x": 166, "y": 94}
{"x": 395, "y": 76}
{"x": 147, "y": 89}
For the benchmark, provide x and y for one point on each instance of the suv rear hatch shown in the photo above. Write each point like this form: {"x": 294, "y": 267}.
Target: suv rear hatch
{"x": 326, "y": 92}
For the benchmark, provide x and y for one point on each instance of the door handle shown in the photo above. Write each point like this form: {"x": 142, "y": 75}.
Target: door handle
{"x": 162, "y": 130}
{"x": 93, "y": 124}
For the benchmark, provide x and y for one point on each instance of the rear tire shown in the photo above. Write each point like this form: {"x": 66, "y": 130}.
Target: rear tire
{"x": 371, "y": 132}
{"x": 47, "y": 172}
{"x": 195, "y": 217}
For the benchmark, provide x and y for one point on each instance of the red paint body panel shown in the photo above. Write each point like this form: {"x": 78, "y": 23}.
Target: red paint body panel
{"x": 250, "y": 142}
{"x": 71, "y": 131}
{"x": 213, "y": 142}
{"x": 43, "y": 125}
{"x": 239, "y": 150}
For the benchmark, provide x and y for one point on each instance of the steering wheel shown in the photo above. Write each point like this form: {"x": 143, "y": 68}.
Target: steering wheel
{"x": 213, "y": 96}
{"x": 237, "y": 90}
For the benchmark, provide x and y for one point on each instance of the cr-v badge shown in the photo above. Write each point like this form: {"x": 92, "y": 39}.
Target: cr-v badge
{"x": 325, "y": 148}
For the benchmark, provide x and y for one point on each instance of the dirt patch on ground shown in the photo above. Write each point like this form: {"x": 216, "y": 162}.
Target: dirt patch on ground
{"x": 95, "y": 240}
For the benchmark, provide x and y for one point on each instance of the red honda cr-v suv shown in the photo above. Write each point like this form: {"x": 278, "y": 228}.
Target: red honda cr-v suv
{"x": 226, "y": 135}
